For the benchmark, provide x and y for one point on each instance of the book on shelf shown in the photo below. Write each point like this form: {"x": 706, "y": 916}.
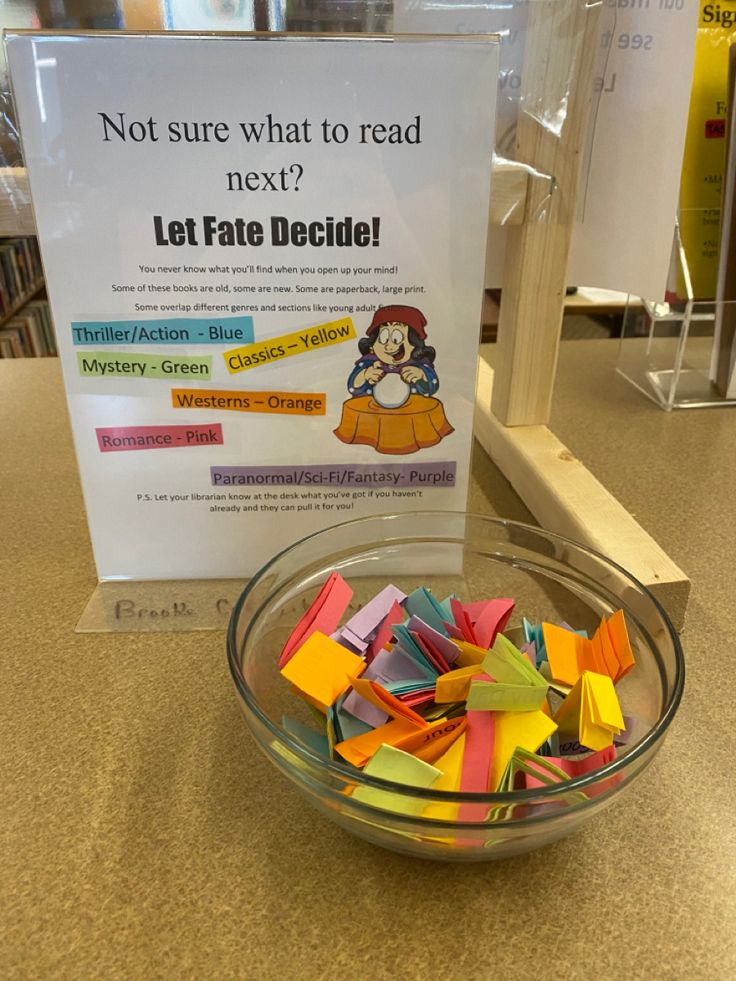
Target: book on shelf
{"x": 20, "y": 272}
{"x": 29, "y": 334}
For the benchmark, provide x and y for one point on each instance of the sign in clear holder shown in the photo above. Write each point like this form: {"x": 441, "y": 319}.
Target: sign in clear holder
{"x": 666, "y": 348}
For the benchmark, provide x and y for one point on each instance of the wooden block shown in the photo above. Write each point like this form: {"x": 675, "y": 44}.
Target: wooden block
{"x": 568, "y": 500}
{"x": 562, "y": 39}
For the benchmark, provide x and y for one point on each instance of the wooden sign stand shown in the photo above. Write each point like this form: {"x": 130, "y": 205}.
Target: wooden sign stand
{"x": 535, "y": 197}
{"x": 513, "y": 403}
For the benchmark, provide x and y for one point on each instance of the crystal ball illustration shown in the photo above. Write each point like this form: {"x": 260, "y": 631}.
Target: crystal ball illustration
{"x": 391, "y": 391}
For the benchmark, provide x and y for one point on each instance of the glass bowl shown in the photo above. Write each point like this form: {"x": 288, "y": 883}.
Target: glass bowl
{"x": 475, "y": 557}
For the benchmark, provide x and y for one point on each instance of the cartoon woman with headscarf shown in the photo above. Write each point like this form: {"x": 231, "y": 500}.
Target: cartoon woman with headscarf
{"x": 395, "y": 362}
{"x": 392, "y": 386}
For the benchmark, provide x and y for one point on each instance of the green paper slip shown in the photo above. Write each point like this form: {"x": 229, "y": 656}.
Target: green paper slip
{"x": 489, "y": 696}
{"x": 508, "y": 665}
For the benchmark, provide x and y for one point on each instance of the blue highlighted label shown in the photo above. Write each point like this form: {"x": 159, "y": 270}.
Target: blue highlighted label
{"x": 176, "y": 330}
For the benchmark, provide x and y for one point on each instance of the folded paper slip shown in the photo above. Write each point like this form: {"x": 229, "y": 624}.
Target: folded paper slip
{"x": 470, "y": 654}
{"x": 324, "y": 614}
{"x": 609, "y": 652}
{"x": 528, "y": 730}
{"x": 361, "y": 627}
{"x": 431, "y": 743}
{"x": 479, "y": 749}
{"x": 454, "y": 686}
{"x": 570, "y": 768}
{"x": 506, "y": 664}
{"x": 451, "y": 765}
{"x": 543, "y": 770}
{"x": 463, "y": 621}
{"x": 489, "y": 618}
{"x": 423, "y": 604}
{"x": 384, "y": 633}
{"x": 392, "y": 764}
{"x": 591, "y": 712}
{"x": 377, "y": 695}
{"x": 321, "y": 670}
{"x": 491, "y": 696}
{"x": 359, "y": 749}
{"x": 439, "y": 642}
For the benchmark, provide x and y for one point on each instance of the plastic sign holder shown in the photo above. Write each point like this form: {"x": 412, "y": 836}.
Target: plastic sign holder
{"x": 513, "y": 401}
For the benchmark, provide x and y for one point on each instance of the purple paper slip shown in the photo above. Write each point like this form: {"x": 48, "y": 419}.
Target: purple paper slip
{"x": 443, "y": 644}
{"x": 393, "y": 665}
{"x": 363, "y": 624}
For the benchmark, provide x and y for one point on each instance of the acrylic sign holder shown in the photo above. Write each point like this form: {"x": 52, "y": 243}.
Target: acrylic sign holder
{"x": 513, "y": 399}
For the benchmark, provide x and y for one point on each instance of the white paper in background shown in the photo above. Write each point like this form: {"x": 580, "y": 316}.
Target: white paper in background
{"x": 623, "y": 238}
{"x": 394, "y": 137}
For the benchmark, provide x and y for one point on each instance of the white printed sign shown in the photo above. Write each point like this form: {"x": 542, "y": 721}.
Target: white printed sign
{"x": 629, "y": 194}
{"x": 266, "y": 278}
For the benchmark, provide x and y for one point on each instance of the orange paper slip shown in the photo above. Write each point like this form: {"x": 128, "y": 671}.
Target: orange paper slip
{"x": 321, "y": 670}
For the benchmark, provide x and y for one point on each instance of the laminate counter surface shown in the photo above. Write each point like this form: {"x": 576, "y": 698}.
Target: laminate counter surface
{"x": 144, "y": 836}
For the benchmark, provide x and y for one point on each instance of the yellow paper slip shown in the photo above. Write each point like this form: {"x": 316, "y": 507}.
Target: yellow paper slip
{"x": 451, "y": 765}
{"x": 469, "y": 654}
{"x": 454, "y": 686}
{"x": 619, "y": 637}
{"x": 321, "y": 670}
{"x": 526, "y": 729}
{"x": 591, "y": 712}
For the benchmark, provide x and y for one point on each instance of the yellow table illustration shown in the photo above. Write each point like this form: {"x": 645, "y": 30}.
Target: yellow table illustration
{"x": 418, "y": 423}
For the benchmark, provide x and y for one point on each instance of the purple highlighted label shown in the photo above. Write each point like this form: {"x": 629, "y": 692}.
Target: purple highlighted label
{"x": 117, "y": 439}
{"x": 381, "y": 475}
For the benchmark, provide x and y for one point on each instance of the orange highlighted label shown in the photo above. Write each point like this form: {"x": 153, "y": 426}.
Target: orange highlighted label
{"x": 280, "y": 403}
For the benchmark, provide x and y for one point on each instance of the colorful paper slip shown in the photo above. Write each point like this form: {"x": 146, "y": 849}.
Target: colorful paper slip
{"x": 495, "y": 697}
{"x": 401, "y": 768}
{"x": 591, "y": 712}
{"x": 569, "y": 653}
{"x": 359, "y": 749}
{"x": 377, "y": 695}
{"x": 324, "y": 614}
{"x": 431, "y": 743}
{"x": 384, "y": 633}
{"x": 450, "y": 764}
{"x": 530, "y": 730}
{"x": 364, "y": 624}
{"x": 454, "y": 686}
{"x": 321, "y": 670}
{"x": 489, "y": 618}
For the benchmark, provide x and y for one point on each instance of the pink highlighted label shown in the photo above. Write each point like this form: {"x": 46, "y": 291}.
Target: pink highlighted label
{"x": 116, "y": 439}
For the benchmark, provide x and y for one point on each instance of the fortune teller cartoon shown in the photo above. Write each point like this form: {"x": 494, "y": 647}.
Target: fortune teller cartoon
{"x": 392, "y": 385}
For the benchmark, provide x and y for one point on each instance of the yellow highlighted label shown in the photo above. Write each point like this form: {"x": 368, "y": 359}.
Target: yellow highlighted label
{"x": 281, "y": 403}
{"x": 287, "y": 345}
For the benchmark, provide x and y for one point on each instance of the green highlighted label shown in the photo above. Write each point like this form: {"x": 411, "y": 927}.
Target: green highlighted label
{"x": 121, "y": 365}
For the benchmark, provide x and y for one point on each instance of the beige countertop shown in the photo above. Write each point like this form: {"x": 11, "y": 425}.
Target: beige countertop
{"x": 144, "y": 836}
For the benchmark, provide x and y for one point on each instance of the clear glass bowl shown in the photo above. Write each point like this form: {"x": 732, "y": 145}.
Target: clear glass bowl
{"x": 475, "y": 557}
